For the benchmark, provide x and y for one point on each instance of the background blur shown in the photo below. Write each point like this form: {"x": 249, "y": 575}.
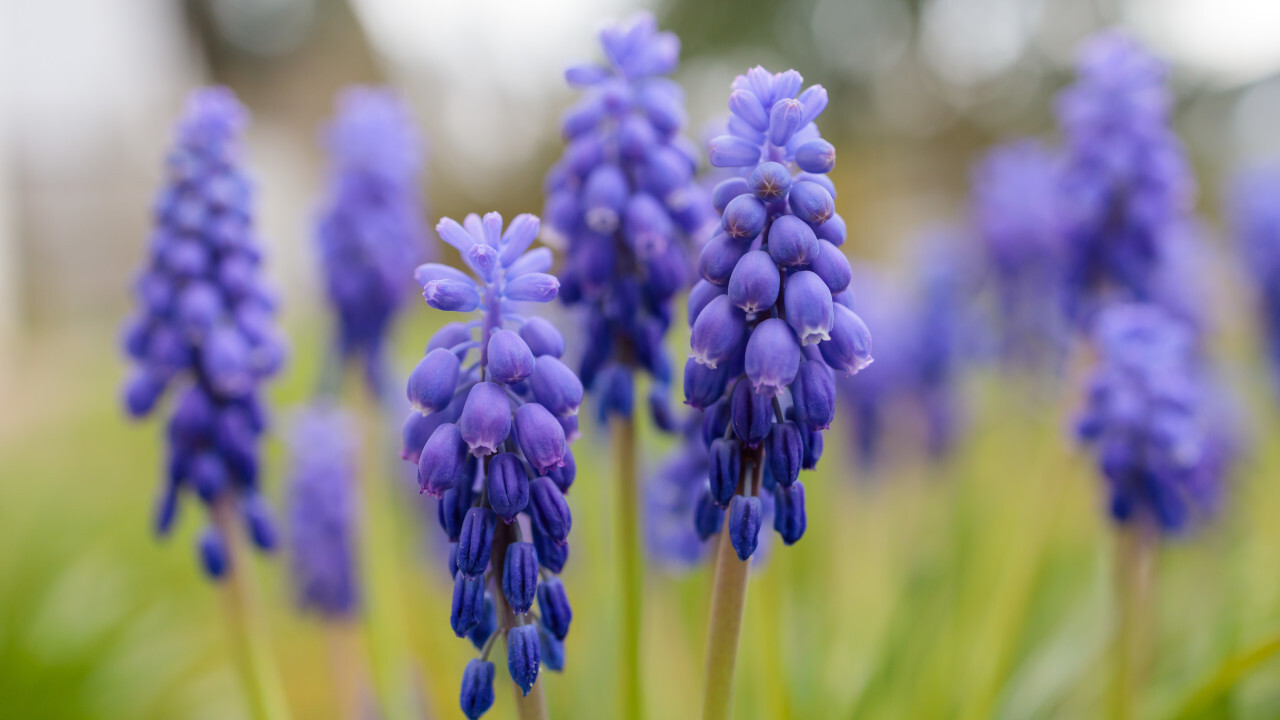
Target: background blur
{"x": 975, "y": 586}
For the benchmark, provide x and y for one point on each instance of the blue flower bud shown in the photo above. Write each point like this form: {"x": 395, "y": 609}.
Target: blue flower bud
{"x": 538, "y": 260}
{"x": 813, "y": 395}
{"x": 754, "y": 284}
{"x": 746, "y": 105}
{"x": 486, "y": 418}
{"x": 455, "y": 235}
{"x": 508, "y": 485}
{"x": 452, "y": 295}
{"x": 475, "y": 541}
{"x": 719, "y": 257}
{"x": 785, "y": 118}
{"x": 849, "y": 349}
{"x": 752, "y": 415}
{"x": 733, "y": 151}
{"x": 213, "y": 553}
{"x": 814, "y": 99}
{"x": 143, "y": 392}
{"x": 524, "y": 654}
{"x": 724, "y": 470}
{"x": 552, "y": 555}
{"x": 745, "y": 514}
{"x": 715, "y": 421}
{"x": 727, "y": 190}
{"x": 812, "y": 448}
{"x": 520, "y": 576}
{"x": 773, "y": 357}
{"x": 708, "y": 516}
{"x": 789, "y": 518}
{"x": 477, "y": 688}
{"x": 811, "y": 202}
{"x": 663, "y": 108}
{"x": 548, "y": 510}
{"x": 664, "y": 172}
{"x": 542, "y": 337}
{"x": 823, "y": 180}
{"x": 510, "y": 360}
{"x": 833, "y": 230}
{"x": 703, "y": 385}
{"x": 809, "y": 307}
{"x": 617, "y": 393}
{"x": 540, "y": 436}
{"x": 647, "y": 227}
{"x": 583, "y": 154}
{"x": 555, "y": 386}
{"x": 717, "y": 332}
{"x": 442, "y": 462}
{"x": 570, "y": 427}
{"x": 700, "y": 294}
{"x": 784, "y": 453}
{"x": 449, "y": 335}
{"x": 636, "y": 138}
{"x": 770, "y": 181}
{"x": 744, "y": 217}
{"x": 792, "y": 242}
{"x": 816, "y": 156}
{"x": 832, "y": 266}
{"x": 432, "y": 382}
{"x": 553, "y": 604}
{"x": 604, "y": 196}
{"x": 532, "y": 287}
{"x": 564, "y": 476}
{"x": 488, "y": 624}
{"x": 520, "y": 234}
{"x": 468, "y": 604}
{"x": 552, "y": 651}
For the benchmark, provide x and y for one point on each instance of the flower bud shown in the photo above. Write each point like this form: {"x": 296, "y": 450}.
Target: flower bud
{"x": 432, "y": 382}
{"x": 488, "y": 624}
{"x": 520, "y": 576}
{"x": 811, "y": 202}
{"x": 752, "y": 414}
{"x": 540, "y": 436}
{"x": 542, "y": 337}
{"x": 789, "y": 517}
{"x": 468, "y": 604}
{"x": 475, "y": 541}
{"x": 743, "y": 217}
{"x": 703, "y": 385}
{"x": 812, "y": 440}
{"x": 717, "y": 332}
{"x": 449, "y": 335}
{"x": 746, "y": 105}
{"x": 555, "y": 386}
{"x": 520, "y": 234}
{"x": 707, "y": 516}
{"x": 647, "y": 226}
{"x": 553, "y": 604}
{"x": 816, "y": 156}
{"x": 510, "y": 360}
{"x": 616, "y": 393}
{"x": 532, "y": 287}
{"x": 715, "y": 421}
{"x": 814, "y": 99}
{"x": 257, "y": 518}
{"x": 477, "y": 688}
{"x": 785, "y": 118}
{"x": 745, "y": 514}
{"x": 486, "y": 418}
{"x": 813, "y": 395}
{"x": 552, "y": 651}
{"x": 773, "y": 357}
{"x": 727, "y": 190}
{"x": 508, "y": 486}
{"x": 548, "y": 510}
{"x": 724, "y": 469}
{"x": 636, "y": 138}
{"x": 784, "y": 453}
{"x": 809, "y": 307}
{"x": 604, "y": 195}
{"x": 700, "y": 294}
{"x": 770, "y": 181}
{"x": 564, "y": 475}
{"x": 833, "y": 230}
{"x": 524, "y": 654}
{"x": 792, "y": 242}
{"x": 832, "y": 266}
{"x": 754, "y": 283}
{"x": 849, "y": 349}
{"x": 452, "y": 295}
{"x": 442, "y": 462}
{"x": 719, "y": 257}
{"x": 213, "y": 553}
{"x": 733, "y": 151}
{"x": 552, "y": 555}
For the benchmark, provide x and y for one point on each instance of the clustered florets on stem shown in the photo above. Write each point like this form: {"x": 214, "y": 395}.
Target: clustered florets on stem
{"x": 491, "y": 441}
{"x": 206, "y": 322}
{"x": 625, "y": 199}
{"x": 771, "y": 316}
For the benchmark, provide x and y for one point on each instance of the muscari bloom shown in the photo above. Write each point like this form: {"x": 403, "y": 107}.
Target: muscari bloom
{"x": 1255, "y": 217}
{"x": 322, "y": 512}
{"x": 625, "y": 199}
{"x": 767, "y": 334}
{"x": 1015, "y": 204}
{"x": 369, "y": 231}
{"x": 1146, "y": 417}
{"x": 205, "y": 327}
{"x": 496, "y": 412}
{"x": 1126, "y": 183}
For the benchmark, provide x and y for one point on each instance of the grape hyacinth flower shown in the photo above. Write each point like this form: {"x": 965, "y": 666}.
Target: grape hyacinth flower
{"x": 493, "y": 445}
{"x": 625, "y": 200}
{"x": 1255, "y": 218}
{"x": 1126, "y": 182}
{"x": 322, "y": 512}
{"x": 369, "y": 232}
{"x": 205, "y": 327}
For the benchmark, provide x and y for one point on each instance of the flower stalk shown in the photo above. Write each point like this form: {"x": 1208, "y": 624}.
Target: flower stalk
{"x": 1135, "y": 571}
{"x": 631, "y": 567}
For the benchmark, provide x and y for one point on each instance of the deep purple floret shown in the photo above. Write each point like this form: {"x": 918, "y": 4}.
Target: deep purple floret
{"x": 205, "y": 326}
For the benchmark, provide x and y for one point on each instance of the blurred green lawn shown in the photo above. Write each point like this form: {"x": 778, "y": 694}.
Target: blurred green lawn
{"x": 978, "y": 588}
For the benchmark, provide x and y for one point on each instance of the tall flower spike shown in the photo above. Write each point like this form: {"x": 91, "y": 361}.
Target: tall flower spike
{"x": 369, "y": 231}
{"x": 625, "y": 199}
{"x": 493, "y": 445}
{"x": 205, "y": 326}
{"x": 1126, "y": 182}
{"x": 322, "y": 512}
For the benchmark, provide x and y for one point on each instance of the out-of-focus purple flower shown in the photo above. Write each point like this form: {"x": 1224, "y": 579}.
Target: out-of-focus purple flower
{"x": 624, "y": 200}
{"x": 497, "y": 452}
{"x": 205, "y": 324}
{"x": 322, "y": 512}
{"x": 1126, "y": 182}
{"x": 369, "y": 230}
{"x": 1255, "y": 219}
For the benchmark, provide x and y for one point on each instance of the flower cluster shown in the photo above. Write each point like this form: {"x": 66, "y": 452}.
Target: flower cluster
{"x": 322, "y": 512}
{"x": 1146, "y": 415}
{"x": 625, "y": 198}
{"x": 369, "y": 233}
{"x": 767, "y": 331}
{"x": 1255, "y": 216}
{"x": 491, "y": 441}
{"x": 205, "y": 323}
{"x": 1015, "y": 207}
{"x": 1125, "y": 182}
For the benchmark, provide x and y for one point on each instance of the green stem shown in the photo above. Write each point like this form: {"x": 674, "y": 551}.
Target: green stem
{"x": 631, "y": 568}
{"x": 532, "y": 706}
{"x": 346, "y": 668}
{"x": 250, "y": 642}
{"x": 1135, "y": 566}
{"x": 1225, "y": 677}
